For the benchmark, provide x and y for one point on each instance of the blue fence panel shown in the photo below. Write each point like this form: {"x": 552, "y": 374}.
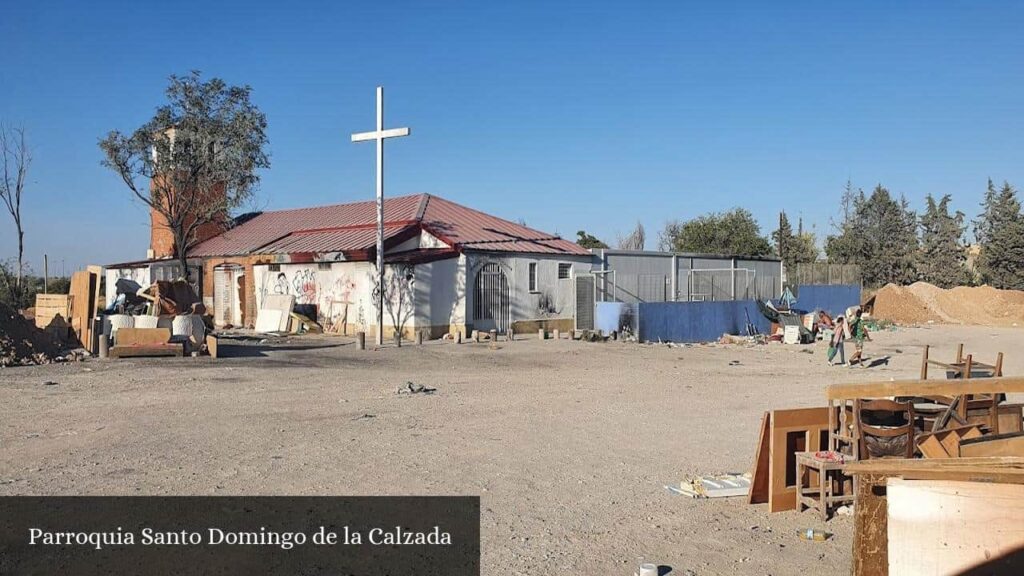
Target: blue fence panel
{"x": 697, "y": 321}
{"x": 834, "y": 298}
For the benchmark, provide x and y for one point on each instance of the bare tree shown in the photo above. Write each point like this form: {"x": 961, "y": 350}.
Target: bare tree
{"x": 16, "y": 159}
{"x": 399, "y": 285}
{"x": 196, "y": 160}
{"x": 635, "y": 240}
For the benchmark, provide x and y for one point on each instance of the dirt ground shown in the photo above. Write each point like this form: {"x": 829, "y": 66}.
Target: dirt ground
{"x": 568, "y": 444}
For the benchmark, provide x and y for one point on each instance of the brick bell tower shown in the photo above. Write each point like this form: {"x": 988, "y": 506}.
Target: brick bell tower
{"x": 161, "y": 238}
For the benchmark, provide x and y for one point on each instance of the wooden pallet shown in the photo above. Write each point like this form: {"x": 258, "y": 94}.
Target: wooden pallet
{"x": 140, "y": 350}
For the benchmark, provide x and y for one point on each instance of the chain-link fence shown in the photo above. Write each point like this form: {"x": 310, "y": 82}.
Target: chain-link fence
{"x": 824, "y": 273}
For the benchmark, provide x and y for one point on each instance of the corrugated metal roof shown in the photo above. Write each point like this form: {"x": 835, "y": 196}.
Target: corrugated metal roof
{"x": 343, "y": 240}
{"x": 350, "y": 227}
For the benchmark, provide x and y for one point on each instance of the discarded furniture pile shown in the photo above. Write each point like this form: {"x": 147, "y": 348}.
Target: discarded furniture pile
{"x": 277, "y": 314}
{"x": 929, "y": 467}
{"x": 163, "y": 319}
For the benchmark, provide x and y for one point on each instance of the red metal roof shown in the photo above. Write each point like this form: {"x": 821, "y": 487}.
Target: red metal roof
{"x": 351, "y": 227}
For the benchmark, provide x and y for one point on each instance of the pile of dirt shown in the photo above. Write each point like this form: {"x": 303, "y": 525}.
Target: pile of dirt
{"x": 21, "y": 342}
{"x": 922, "y": 303}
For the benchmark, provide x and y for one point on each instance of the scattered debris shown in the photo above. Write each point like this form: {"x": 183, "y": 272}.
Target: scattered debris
{"x": 815, "y": 535}
{"x": 49, "y": 383}
{"x": 720, "y": 486}
{"x": 412, "y": 388}
{"x": 22, "y": 343}
{"x": 365, "y": 417}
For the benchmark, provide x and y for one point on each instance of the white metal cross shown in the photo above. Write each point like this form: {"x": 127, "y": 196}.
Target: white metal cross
{"x": 379, "y": 135}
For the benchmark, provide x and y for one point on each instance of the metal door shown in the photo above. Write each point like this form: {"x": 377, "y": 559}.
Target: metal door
{"x": 584, "y": 302}
{"x": 490, "y": 299}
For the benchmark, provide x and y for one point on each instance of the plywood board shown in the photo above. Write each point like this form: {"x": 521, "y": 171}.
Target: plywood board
{"x": 948, "y": 527}
{"x": 922, "y": 388}
{"x": 211, "y": 345}
{"x": 268, "y": 320}
{"x": 760, "y": 475}
{"x": 142, "y": 336}
{"x": 176, "y": 349}
{"x": 49, "y": 306}
{"x": 998, "y": 445}
{"x": 283, "y": 303}
{"x": 791, "y": 431}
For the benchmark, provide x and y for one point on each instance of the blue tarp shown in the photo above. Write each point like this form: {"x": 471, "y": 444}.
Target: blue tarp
{"x": 834, "y": 299}
{"x": 697, "y": 321}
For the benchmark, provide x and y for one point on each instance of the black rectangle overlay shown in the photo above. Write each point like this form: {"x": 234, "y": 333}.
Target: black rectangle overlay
{"x": 372, "y": 536}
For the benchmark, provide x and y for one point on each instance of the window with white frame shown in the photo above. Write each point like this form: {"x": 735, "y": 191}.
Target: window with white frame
{"x": 533, "y": 276}
{"x": 564, "y": 270}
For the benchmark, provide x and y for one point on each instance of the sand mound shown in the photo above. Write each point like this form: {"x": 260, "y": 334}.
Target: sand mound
{"x": 21, "y": 342}
{"x": 922, "y": 303}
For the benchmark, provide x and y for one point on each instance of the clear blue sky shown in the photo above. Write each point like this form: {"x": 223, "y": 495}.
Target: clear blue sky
{"x": 588, "y": 115}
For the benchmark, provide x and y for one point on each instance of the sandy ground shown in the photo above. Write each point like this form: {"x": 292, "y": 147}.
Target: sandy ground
{"x": 568, "y": 444}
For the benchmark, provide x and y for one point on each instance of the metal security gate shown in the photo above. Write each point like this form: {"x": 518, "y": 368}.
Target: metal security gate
{"x": 491, "y": 300}
{"x": 584, "y": 302}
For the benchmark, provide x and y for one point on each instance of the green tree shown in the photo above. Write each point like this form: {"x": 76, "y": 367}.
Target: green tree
{"x": 733, "y": 232}
{"x": 880, "y": 235}
{"x": 999, "y": 231}
{"x": 589, "y": 241}
{"x": 196, "y": 160}
{"x": 793, "y": 248}
{"x": 942, "y": 257}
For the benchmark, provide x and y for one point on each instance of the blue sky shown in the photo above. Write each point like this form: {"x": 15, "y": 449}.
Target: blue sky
{"x": 589, "y": 115}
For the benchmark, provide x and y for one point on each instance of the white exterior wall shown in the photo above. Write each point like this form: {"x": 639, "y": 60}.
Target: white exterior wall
{"x": 441, "y": 293}
{"x": 525, "y": 304}
{"x": 437, "y": 296}
{"x": 345, "y": 286}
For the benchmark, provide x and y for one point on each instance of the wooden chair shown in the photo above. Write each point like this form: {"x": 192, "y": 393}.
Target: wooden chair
{"x": 862, "y": 430}
{"x": 822, "y": 484}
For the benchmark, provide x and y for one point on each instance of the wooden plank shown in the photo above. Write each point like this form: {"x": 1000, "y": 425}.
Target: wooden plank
{"x": 925, "y": 388}
{"x": 996, "y": 445}
{"x": 1011, "y": 418}
{"x": 932, "y": 447}
{"x": 950, "y": 527}
{"x": 996, "y": 469}
{"x": 806, "y": 426}
{"x": 211, "y": 345}
{"x": 150, "y": 350}
{"x": 870, "y": 533}
{"x": 142, "y": 336}
{"x": 760, "y": 474}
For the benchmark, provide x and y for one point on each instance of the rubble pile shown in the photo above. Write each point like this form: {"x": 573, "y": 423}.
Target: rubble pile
{"x": 923, "y": 303}
{"x": 21, "y": 343}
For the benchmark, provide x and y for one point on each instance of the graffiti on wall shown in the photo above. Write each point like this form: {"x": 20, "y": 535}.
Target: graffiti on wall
{"x": 334, "y": 293}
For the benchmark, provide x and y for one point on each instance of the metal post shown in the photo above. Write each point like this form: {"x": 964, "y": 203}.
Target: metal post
{"x": 675, "y": 278}
{"x": 380, "y": 217}
{"x": 46, "y": 274}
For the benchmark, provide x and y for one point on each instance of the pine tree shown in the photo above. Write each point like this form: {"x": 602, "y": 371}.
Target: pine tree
{"x": 1000, "y": 234}
{"x": 942, "y": 258}
{"x": 793, "y": 248}
{"x": 880, "y": 236}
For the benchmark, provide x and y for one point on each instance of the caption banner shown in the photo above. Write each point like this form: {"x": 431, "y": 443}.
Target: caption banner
{"x": 360, "y": 536}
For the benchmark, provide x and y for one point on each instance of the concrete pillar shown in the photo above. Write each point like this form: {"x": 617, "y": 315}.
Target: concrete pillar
{"x": 510, "y": 335}
{"x": 540, "y": 334}
{"x": 360, "y": 340}
{"x": 104, "y": 346}
{"x": 555, "y": 335}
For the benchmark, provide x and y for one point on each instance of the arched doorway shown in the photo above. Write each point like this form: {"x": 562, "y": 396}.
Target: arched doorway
{"x": 490, "y": 299}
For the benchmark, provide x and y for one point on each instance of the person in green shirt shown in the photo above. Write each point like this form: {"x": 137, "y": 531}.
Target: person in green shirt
{"x": 859, "y": 333}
